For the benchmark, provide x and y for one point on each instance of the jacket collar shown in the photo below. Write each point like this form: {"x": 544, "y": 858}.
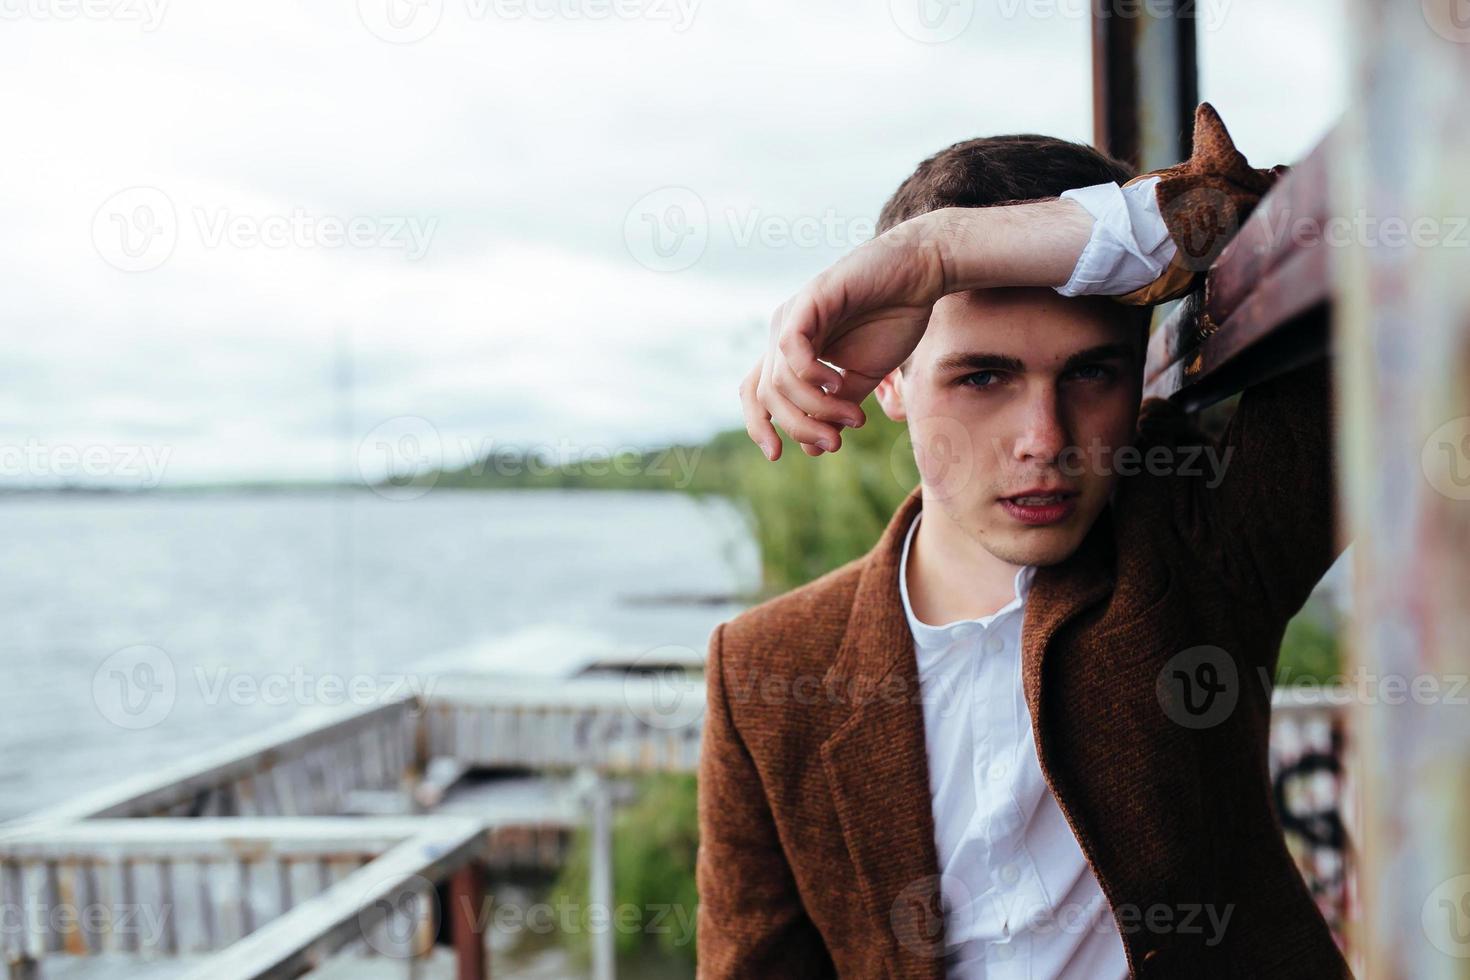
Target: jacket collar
{"x": 875, "y": 760}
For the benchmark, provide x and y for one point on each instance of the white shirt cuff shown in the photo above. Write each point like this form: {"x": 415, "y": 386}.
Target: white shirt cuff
{"x": 1130, "y": 244}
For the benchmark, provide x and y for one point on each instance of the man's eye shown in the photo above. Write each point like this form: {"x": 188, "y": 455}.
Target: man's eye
{"x": 980, "y": 379}
{"x": 1094, "y": 372}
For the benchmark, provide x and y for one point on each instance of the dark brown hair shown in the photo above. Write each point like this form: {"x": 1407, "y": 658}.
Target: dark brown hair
{"x": 995, "y": 170}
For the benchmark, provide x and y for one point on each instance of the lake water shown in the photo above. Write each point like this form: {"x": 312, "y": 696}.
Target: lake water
{"x": 241, "y": 610}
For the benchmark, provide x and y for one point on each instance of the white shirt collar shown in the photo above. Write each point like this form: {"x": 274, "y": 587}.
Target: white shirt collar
{"x": 928, "y": 636}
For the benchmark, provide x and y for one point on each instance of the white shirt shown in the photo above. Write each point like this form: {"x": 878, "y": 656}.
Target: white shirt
{"x": 1020, "y": 899}
{"x": 1130, "y": 244}
{"x": 1021, "y": 902}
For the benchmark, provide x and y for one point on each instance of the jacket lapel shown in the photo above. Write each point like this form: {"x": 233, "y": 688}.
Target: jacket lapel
{"x": 876, "y": 764}
{"x": 1060, "y": 592}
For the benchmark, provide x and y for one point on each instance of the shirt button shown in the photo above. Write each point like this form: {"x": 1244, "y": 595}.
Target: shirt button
{"x": 994, "y": 643}
{"x": 998, "y": 771}
{"x": 1010, "y": 874}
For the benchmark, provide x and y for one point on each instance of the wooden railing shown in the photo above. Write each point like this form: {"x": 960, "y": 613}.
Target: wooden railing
{"x": 640, "y": 723}
{"x": 302, "y": 768}
{"x": 245, "y": 852}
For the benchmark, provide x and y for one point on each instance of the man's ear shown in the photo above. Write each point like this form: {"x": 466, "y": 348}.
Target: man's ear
{"x": 890, "y": 395}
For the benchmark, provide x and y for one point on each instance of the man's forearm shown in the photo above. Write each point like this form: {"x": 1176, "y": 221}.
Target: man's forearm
{"x": 1031, "y": 244}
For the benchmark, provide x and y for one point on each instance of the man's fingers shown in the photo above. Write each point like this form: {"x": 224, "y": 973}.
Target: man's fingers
{"x": 796, "y": 338}
{"x": 800, "y": 426}
{"x": 828, "y": 408}
{"x": 855, "y": 387}
{"x": 757, "y": 419}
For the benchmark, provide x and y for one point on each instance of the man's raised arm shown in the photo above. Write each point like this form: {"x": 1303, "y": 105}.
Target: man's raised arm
{"x": 867, "y": 312}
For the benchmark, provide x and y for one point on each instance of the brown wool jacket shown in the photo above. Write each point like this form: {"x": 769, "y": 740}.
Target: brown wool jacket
{"x": 817, "y": 854}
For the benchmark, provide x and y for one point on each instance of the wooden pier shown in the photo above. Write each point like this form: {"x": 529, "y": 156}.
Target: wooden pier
{"x": 356, "y": 833}
{"x": 360, "y": 838}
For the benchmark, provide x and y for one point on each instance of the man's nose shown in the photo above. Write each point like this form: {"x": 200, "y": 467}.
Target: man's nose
{"x": 1043, "y": 430}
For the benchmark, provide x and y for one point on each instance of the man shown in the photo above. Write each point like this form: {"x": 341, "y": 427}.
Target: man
{"x": 1025, "y": 735}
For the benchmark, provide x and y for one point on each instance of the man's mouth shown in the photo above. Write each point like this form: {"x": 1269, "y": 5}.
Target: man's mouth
{"x": 1038, "y": 506}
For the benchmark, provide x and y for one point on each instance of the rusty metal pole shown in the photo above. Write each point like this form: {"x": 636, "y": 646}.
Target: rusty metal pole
{"x": 466, "y": 920}
{"x": 1145, "y": 80}
{"x": 1403, "y": 372}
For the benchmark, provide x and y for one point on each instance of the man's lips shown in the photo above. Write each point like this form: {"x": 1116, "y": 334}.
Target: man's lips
{"x": 1040, "y": 506}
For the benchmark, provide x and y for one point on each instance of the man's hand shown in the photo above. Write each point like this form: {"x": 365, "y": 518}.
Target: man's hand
{"x": 864, "y": 314}
{"x": 867, "y": 313}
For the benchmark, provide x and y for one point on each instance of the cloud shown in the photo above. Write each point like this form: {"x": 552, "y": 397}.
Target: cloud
{"x": 338, "y": 230}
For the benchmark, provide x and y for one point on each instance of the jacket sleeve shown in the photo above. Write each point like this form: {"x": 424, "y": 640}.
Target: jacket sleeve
{"x": 1267, "y": 524}
{"x": 751, "y": 922}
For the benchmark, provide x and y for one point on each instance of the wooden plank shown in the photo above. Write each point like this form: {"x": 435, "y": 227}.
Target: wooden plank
{"x": 207, "y": 837}
{"x": 316, "y": 929}
{"x": 226, "y": 766}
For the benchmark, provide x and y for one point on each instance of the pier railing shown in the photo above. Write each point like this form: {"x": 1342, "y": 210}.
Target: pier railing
{"x": 251, "y": 857}
{"x": 244, "y": 859}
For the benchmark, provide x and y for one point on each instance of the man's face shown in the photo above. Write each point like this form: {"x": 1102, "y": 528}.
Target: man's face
{"x": 1016, "y": 400}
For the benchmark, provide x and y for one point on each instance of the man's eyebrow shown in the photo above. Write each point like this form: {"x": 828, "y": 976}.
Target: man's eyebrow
{"x": 978, "y": 361}
{"x": 1102, "y": 352}
{"x": 988, "y": 361}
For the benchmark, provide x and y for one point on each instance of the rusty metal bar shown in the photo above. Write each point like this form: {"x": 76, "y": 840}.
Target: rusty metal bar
{"x": 467, "y": 906}
{"x": 1145, "y": 82}
{"x": 1404, "y": 369}
{"x": 1262, "y": 309}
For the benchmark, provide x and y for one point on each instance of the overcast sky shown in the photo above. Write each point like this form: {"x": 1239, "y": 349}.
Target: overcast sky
{"x": 516, "y": 222}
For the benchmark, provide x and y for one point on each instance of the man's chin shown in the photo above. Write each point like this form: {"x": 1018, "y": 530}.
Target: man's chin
{"x": 1035, "y": 546}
